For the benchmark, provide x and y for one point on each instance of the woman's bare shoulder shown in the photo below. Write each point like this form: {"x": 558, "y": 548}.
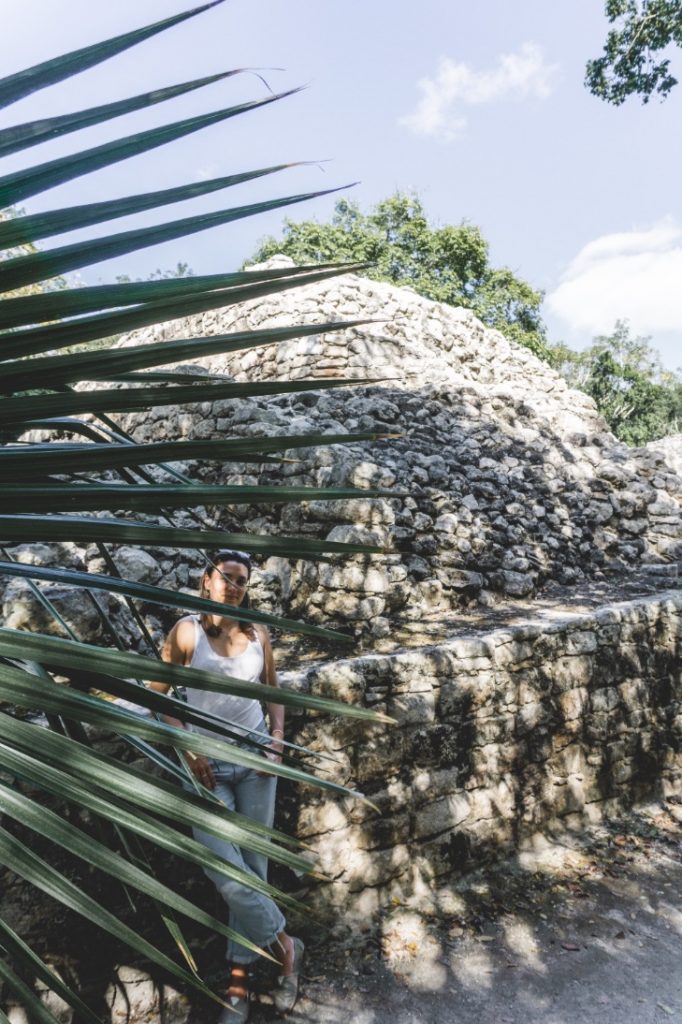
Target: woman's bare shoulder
{"x": 182, "y": 636}
{"x": 262, "y": 633}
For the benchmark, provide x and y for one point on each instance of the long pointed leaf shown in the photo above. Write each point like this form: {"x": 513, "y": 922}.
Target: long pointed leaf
{"x": 55, "y": 305}
{"x": 30, "y": 529}
{"x": 34, "y": 869}
{"x": 30, "y": 407}
{"x": 161, "y": 704}
{"x": 50, "y": 825}
{"x": 25, "y": 270}
{"x": 31, "y": 181}
{"x": 158, "y": 595}
{"x": 23, "y": 83}
{"x": 119, "y": 805}
{"x": 23, "y": 954}
{"x": 23, "y": 136}
{"x": 135, "y": 786}
{"x": 25, "y": 995}
{"x": 27, "y": 691}
{"x": 80, "y": 428}
{"x": 50, "y": 649}
{"x": 22, "y": 463}
{"x": 79, "y": 365}
{"x": 151, "y": 497}
{"x": 168, "y": 377}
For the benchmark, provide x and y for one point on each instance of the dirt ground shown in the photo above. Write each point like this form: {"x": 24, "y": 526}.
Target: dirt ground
{"x": 583, "y": 929}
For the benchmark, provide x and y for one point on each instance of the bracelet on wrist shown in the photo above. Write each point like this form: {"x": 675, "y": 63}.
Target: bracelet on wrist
{"x": 280, "y": 731}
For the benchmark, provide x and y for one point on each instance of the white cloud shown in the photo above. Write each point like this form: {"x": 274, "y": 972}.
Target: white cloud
{"x": 633, "y": 275}
{"x": 516, "y": 76}
{"x": 206, "y": 172}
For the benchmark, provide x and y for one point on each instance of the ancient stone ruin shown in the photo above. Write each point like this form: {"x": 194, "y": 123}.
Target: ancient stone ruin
{"x": 523, "y": 626}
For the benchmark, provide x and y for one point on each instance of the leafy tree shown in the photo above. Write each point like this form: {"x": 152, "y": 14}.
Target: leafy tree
{"x": 447, "y": 264}
{"x": 100, "y": 493}
{"x": 630, "y": 64}
{"x": 26, "y": 249}
{"x": 180, "y": 270}
{"x": 639, "y": 400}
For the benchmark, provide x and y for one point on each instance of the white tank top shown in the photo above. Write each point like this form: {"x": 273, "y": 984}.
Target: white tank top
{"x": 244, "y": 712}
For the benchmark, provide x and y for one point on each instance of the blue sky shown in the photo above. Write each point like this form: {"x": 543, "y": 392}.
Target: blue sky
{"x": 479, "y": 108}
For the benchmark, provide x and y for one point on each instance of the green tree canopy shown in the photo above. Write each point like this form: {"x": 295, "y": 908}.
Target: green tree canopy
{"x": 630, "y": 65}
{"x": 639, "y": 400}
{"x": 448, "y": 264}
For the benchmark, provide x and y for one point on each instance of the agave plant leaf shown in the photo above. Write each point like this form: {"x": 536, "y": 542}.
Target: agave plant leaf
{"x": 163, "y": 705}
{"x": 27, "y": 997}
{"x": 49, "y": 649}
{"x": 65, "y": 424}
{"x": 150, "y": 497}
{"x": 19, "y": 464}
{"x": 22, "y": 374}
{"x": 17, "y": 410}
{"x": 27, "y": 691}
{"x": 159, "y": 595}
{"x": 25, "y": 747}
{"x": 23, "y": 83}
{"x": 42, "y": 875}
{"x": 20, "y": 185}
{"x": 169, "y": 377}
{"x": 68, "y": 302}
{"x": 167, "y": 705}
{"x": 24, "y": 270}
{"x": 178, "y": 773}
{"x": 32, "y": 133}
{"x": 50, "y": 825}
{"x": 24, "y": 529}
{"x": 126, "y": 812}
{"x": 22, "y": 954}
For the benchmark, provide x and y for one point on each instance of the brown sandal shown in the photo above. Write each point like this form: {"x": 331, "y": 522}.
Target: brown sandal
{"x": 238, "y": 997}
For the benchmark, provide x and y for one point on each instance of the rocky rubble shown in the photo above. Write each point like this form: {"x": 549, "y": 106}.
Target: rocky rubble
{"x": 671, "y": 449}
{"x": 508, "y": 479}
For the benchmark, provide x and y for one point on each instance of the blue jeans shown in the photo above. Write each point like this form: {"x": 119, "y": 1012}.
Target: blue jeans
{"x": 252, "y": 914}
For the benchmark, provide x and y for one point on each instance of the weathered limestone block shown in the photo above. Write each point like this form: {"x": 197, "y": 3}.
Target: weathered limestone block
{"x": 443, "y": 814}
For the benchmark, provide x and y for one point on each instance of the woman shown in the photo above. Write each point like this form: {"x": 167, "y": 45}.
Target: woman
{"x": 221, "y": 644}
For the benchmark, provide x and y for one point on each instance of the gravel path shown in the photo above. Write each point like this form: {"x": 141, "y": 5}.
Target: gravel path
{"x": 585, "y": 929}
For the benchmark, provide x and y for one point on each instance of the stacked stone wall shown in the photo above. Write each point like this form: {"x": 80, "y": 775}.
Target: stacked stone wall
{"x": 547, "y": 723}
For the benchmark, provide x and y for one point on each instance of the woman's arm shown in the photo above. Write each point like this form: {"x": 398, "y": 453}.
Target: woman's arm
{"x": 269, "y": 678}
{"x": 178, "y": 650}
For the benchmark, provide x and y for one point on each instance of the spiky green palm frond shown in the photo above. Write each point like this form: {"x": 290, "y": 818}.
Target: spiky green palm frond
{"x": 49, "y": 496}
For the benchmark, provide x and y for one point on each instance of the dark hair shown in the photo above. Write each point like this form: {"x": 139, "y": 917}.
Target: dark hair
{"x": 214, "y": 558}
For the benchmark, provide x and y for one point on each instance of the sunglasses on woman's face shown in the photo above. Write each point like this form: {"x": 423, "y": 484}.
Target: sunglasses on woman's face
{"x": 225, "y": 556}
